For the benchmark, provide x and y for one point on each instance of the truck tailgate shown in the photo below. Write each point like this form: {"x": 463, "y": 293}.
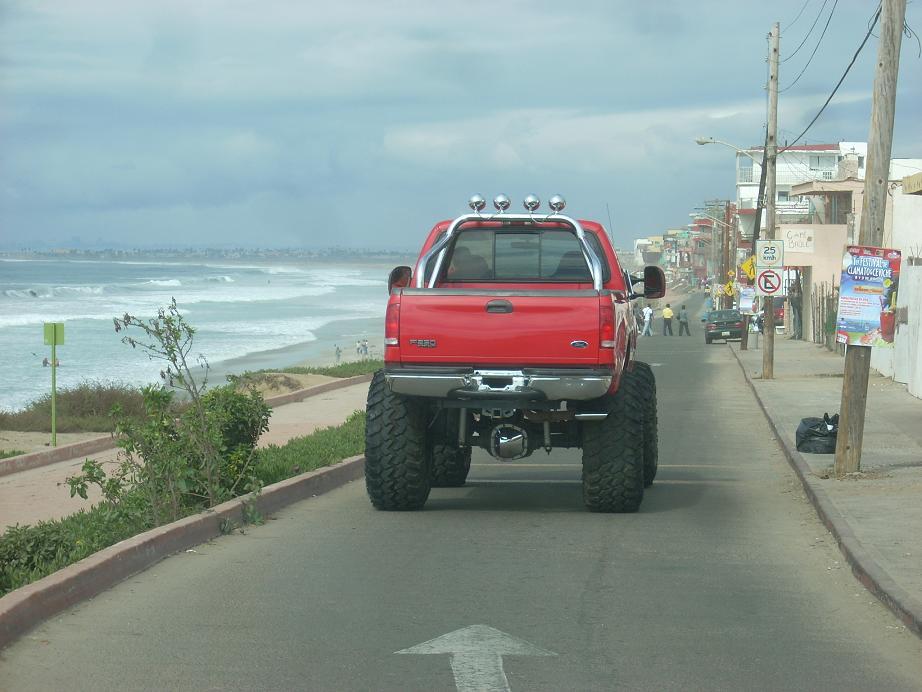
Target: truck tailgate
{"x": 482, "y": 327}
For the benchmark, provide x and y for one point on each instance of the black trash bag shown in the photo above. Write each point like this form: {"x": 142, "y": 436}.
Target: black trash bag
{"x": 818, "y": 435}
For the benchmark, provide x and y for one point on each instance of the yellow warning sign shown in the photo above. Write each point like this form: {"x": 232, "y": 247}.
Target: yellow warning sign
{"x": 728, "y": 288}
{"x": 749, "y": 266}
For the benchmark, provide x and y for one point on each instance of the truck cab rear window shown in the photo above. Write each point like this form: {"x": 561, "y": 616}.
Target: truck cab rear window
{"x": 527, "y": 255}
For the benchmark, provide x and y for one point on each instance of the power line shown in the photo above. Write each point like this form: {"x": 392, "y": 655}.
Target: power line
{"x": 842, "y": 79}
{"x": 815, "y": 48}
{"x": 797, "y": 17}
{"x": 812, "y": 26}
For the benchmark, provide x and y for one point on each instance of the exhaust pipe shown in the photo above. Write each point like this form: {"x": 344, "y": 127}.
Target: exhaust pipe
{"x": 508, "y": 442}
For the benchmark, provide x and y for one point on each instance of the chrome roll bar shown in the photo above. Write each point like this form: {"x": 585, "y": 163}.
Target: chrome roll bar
{"x": 438, "y": 248}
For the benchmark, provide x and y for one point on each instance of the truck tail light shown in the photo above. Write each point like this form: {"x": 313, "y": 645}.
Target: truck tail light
{"x": 392, "y": 325}
{"x": 710, "y": 326}
{"x": 606, "y": 326}
{"x": 738, "y": 325}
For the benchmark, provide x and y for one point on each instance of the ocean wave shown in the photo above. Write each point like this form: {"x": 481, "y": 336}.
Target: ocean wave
{"x": 26, "y": 319}
{"x": 163, "y": 282}
{"x": 220, "y": 279}
{"x": 43, "y": 292}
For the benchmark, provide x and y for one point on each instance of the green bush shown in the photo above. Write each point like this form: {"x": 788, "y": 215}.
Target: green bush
{"x": 241, "y": 417}
{"x": 6, "y": 454}
{"x": 85, "y": 407}
{"x": 359, "y": 367}
{"x": 321, "y": 448}
{"x": 28, "y": 553}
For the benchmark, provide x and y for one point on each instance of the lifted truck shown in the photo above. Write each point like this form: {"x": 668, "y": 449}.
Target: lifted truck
{"x": 514, "y": 332}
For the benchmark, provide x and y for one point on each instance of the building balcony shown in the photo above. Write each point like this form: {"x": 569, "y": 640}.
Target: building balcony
{"x": 785, "y": 175}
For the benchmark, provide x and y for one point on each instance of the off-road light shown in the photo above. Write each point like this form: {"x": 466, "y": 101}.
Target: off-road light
{"x": 532, "y": 203}
{"x": 477, "y": 203}
{"x": 557, "y": 204}
{"x": 501, "y": 202}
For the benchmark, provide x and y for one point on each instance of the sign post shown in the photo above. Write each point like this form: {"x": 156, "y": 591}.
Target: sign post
{"x": 54, "y": 336}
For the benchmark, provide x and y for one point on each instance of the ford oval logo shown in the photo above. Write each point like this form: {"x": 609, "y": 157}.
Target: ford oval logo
{"x": 579, "y": 344}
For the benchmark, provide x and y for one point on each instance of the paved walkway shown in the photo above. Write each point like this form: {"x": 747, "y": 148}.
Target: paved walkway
{"x": 42, "y": 493}
{"x": 879, "y": 509}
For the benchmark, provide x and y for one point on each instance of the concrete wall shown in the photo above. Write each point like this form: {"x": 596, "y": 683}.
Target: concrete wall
{"x": 818, "y": 246}
{"x": 903, "y": 362}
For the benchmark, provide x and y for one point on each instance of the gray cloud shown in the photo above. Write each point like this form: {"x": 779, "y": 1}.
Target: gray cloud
{"x": 362, "y": 123}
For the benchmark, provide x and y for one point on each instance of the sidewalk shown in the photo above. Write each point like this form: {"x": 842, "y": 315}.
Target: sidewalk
{"x": 876, "y": 516}
{"x": 42, "y": 493}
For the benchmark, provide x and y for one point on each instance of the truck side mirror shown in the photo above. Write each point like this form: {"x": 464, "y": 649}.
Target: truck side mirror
{"x": 654, "y": 282}
{"x": 399, "y": 278}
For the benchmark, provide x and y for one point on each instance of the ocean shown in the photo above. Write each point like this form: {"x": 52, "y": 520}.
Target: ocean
{"x": 247, "y": 316}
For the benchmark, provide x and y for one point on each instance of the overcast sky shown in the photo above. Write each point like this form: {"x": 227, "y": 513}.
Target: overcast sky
{"x": 285, "y": 123}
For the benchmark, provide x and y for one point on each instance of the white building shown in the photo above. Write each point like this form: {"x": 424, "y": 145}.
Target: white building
{"x": 798, "y": 164}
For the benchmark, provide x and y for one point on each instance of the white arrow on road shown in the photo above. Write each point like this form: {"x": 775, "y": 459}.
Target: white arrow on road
{"x": 477, "y": 656}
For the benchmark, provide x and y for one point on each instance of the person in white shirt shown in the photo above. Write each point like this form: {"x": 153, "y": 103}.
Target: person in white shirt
{"x": 647, "y": 321}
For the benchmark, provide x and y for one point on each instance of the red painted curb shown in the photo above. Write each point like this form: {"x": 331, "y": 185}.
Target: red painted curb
{"x": 33, "y": 460}
{"x": 24, "y": 608}
{"x": 865, "y": 568}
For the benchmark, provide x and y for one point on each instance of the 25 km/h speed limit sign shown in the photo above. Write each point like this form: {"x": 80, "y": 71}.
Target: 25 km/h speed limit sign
{"x": 769, "y": 254}
{"x": 768, "y": 283}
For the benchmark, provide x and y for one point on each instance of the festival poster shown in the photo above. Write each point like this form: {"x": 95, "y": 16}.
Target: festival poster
{"x": 867, "y": 296}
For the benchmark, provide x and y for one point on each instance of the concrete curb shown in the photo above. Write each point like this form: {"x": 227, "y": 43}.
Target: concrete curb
{"x": 33, "y": 460}
{"x": 26, "y": 607}
{"x": 871, "y": 574}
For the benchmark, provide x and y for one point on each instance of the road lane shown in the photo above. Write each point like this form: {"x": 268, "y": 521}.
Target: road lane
{"x": 723, "y": 580}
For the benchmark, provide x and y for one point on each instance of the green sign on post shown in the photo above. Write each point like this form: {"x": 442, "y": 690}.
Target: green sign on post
{"x": 54, "y": 337}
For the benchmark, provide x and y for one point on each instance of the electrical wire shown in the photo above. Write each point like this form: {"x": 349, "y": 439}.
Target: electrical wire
{"x": 809, "y": 33}
{"x": 842, "y": 79}
{"x": 797, "y": 17}
{"x": 815, "y": 48}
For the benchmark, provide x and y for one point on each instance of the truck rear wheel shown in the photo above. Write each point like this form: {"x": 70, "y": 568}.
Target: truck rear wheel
{"x": 449, "y": 465}
{"x": 650, "y": 430}
{"x": 613, "y": 460}
{"x": 396, "y": 463}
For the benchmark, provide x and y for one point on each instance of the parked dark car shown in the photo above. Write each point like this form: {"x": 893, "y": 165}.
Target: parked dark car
{"x": 723, "y": 324}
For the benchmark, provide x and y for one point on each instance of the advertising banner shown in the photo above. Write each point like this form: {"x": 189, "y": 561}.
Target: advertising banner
{"x": 867, "y": 296}
{"x": 747, "y": 300}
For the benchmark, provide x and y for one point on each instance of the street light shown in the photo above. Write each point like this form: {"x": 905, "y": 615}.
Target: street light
{"x": 705, "y": 216}
{"x": 710, "y": 140}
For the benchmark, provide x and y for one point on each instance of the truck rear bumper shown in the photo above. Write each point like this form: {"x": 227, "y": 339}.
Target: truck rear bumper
{"x": 534, "y": 384}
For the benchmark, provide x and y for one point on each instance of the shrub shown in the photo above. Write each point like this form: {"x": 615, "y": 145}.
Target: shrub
{"x": 85, "y": 407}
{"x": 6, "y": 454}
{"x": 199, "y": 459}
{"x": 321, "y": 448}
{"x": 359, "y": 367}
{"x": 28, "y": 553}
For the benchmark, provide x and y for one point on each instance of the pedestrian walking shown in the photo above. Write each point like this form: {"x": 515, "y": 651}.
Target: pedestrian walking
{"x": 667, "y": 320}
{"x": 339, "y": 353}
{"x": 647, "y": 321}
{"x": 683, "y": 322}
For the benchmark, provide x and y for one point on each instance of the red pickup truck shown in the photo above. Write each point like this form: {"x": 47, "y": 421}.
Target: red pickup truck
{"x": 513, "y": 332}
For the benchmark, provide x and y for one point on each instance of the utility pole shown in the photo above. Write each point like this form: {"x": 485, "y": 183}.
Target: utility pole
{"x": 873, "y": 212}
{"x": 771, "y": 156}
{"x": 728, "y": 238}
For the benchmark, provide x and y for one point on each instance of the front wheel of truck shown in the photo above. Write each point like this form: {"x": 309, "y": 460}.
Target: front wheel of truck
{"x": 613, "y": 451}
{"x": 650, "y": 431}
{"x": 396, "y": 463}
{"x": 449, "y": 465}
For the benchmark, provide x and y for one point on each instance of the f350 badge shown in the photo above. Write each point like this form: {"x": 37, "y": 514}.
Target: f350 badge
{"x": 423, "y": 343}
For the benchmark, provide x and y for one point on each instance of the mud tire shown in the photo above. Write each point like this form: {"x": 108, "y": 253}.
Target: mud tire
{"x": 613, "y": 458}
{"x": 449, "y": 465}
{"x": 650, "y": 429}
{"x": 396, "y": 462}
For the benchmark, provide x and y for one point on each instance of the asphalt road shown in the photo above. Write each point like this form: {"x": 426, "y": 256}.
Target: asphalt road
{"x": 723, "y": 581}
